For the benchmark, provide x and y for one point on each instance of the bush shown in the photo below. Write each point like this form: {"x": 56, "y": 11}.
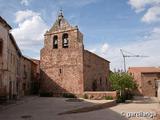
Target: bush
{"x": 68, "y": 95}
{"x": 129, "y": 96}
{"x": 124, "y": 83}
{"x": 46, "y": 94}
{"x": 108, "y": 98}
{"x": 85, "y": 96}
{"x": 121, "y": 99}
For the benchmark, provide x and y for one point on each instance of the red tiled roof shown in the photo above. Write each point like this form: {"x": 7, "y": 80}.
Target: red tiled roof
{"x": 144, "y": 69}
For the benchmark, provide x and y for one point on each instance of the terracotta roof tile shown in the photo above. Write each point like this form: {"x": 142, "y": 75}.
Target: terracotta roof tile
{"x": 144, "y": 69}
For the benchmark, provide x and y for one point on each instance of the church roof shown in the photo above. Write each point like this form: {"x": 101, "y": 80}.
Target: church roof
{"x": 5, "y": 23}
{"x": 15, "y": 44}
{"x": 61, "y": 23}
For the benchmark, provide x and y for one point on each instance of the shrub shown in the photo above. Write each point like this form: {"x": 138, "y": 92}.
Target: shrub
{"x": 121, "y": 99}
{"x": 46, "y": 94}
{"x": 129, "y": 95}
{"x": 124, "y": 84}
{"x": 108, "y": 97}
{"x": 68, "y": 95}
{"x": 85, "y": 96}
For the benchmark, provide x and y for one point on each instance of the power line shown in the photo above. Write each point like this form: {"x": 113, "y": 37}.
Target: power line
{"x": 126, "y": 54}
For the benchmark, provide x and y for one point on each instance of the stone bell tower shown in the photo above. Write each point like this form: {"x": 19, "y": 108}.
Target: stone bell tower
{"x": 62, "y": 58}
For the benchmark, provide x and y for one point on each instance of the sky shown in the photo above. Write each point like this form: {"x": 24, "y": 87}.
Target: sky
{"x": 107, "y": 26}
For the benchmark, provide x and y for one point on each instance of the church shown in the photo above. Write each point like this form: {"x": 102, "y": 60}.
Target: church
{"x": 66, "y": 67}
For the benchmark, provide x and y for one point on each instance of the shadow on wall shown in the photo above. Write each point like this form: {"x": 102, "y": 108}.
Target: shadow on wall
{"x": 50, "y": 88}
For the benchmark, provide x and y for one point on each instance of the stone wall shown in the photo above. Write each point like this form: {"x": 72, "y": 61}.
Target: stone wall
{"x": 96, "y": 72}
{"x": 25, "y": 76}
{"x": 15, "y": 69}
{"x": 9, "y": 59}
{"x": 3, "y": 64}
{"x": 149, "y": 84}
{"x": 70, "y": 69}
{"x": 12, "y": 68}
{"x": 146, "y": 78}
{"x": 100, "y": 94}
{"x": 62, "y": 68}
{"x": 4, "y": 37}
{"x": 35, "y": 80}
{"x": 138, "y": 80}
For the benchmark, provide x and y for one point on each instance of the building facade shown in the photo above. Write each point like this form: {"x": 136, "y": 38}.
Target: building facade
{"x": 15, "y": 69}
{"x": 66, "y": 67}
{"x": 147, "y": 79}
{"x": 35, "y": 73}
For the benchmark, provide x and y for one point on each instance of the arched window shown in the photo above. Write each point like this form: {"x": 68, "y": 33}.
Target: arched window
{"x": 65, "y": 40}
{"x": 55, "y": 41}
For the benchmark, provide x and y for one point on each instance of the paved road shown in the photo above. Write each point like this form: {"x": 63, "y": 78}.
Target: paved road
{"x": 39, "y": 108}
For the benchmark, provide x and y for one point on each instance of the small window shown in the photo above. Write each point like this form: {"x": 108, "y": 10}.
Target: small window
{"x": 149, "y": 82}
{"x": 100, "y": 81}
{"x": 24, "y": 86}
{"x": 59, "y": 22}
{"x": 65, "y": 40}
{"x": 1, "y": 47}
{"x": 60, "y": 71}
{"x": 55, "y": 42}
{"x": 94, "y": 85}
{"x": 11, "y": 57}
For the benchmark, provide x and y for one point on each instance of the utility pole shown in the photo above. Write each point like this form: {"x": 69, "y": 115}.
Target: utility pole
{"x": 129, "y": 55}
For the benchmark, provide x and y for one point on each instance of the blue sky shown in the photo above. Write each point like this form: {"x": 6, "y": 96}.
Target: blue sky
{"x": 107, "y": 26}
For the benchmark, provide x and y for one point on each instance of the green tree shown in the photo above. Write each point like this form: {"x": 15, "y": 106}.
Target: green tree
{"x": 123, "y": 82}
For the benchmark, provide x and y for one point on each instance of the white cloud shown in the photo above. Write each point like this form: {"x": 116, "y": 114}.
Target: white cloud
{"x": 151, "y": 9}
{"x": 104, "y": 48}
{"x": 24, "y": 15}
{"x": 149, "y": 47}
{"x": 156, "y": 31}
{"x": 75, "y": 3}
{"x": 139, "y": 5}
{"x": 25, "y": 2}
{"x": 30, "y": 30}
{"x": 152, "y": 15}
